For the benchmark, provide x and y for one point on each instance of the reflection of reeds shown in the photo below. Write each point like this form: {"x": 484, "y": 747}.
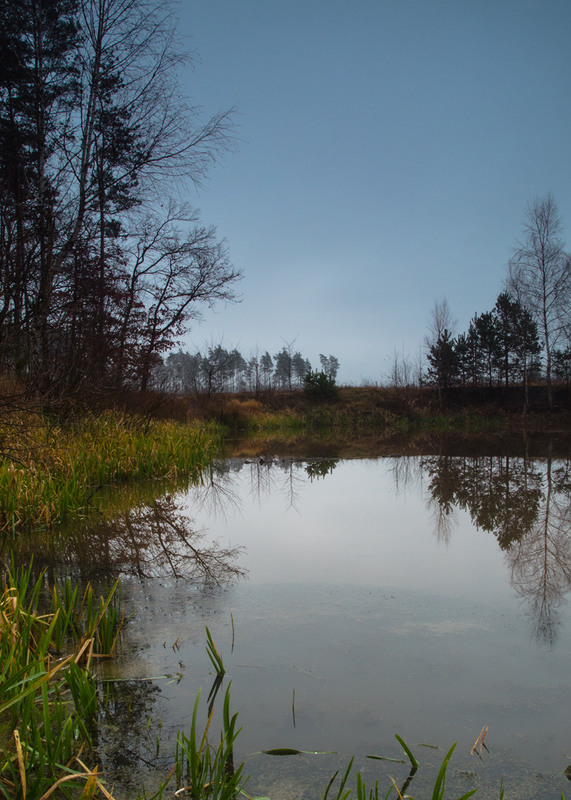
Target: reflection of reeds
{"x": 480, "y": 741}
{"x": 98, "y": 619}
{"x": 49, "y": 706}
{"x": 373, "y": 794}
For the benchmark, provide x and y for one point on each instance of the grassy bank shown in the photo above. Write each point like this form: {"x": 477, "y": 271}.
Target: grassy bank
{"x": 49, "y": 637}
{"x": 51, "y": 466}
{"x": 375, "y": 410}
{"x": 359, "y": 411}
{"x": 50, "y": 470}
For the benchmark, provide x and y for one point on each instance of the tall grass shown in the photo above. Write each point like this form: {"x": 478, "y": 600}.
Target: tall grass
{"x": 356, "y": 413}
{"x": 55, "y": 470}
{"x": 48, "y": 697}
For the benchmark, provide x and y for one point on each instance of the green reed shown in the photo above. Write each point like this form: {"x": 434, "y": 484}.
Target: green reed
{"x": 204, "y": 770}
{"x": 86, "y": 617}
{"x": 362, "y": 793}
{"x": 49, "y": 706}
{"x": 48, "y": 698}
{"x": 214, "y": 655}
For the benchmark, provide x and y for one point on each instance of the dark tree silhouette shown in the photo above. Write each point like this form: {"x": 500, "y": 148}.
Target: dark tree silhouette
{"x": 99, "y": 274}
{"x": 443, "y": 360}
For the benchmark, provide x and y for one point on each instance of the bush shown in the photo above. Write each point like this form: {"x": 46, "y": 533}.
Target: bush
{"x": 320, "y": 386}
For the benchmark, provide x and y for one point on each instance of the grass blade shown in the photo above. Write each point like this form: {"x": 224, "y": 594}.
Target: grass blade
{"x": 407, "y": 750}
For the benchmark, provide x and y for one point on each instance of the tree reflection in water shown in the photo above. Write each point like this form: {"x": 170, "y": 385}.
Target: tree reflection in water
{"x": 320, "y": 469}
{"x": 540, "y": 562}
{"x": 123, "y": 740}
{"x": 268, "y": 476}
{"x": 526, "y": 504}
{"x": 149, "y": 541}
{"x": 153, "y": 540}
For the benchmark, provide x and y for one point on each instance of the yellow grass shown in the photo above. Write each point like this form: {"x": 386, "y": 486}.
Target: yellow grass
{"x": 50, "y": 471}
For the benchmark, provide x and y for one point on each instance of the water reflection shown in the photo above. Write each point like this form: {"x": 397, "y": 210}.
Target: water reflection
{"x": 319, "y": 469}
{"x": 154, "y": 540}
{"x": 376, "y": 616}
{"x": 501, "y": 494}
{"x": 123, "y": 739}
{"x": 540, "y": 562}
{"x": 268, "y": 476}
{"x": 526, "y": 505}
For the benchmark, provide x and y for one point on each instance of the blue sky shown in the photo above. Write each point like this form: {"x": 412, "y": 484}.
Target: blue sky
{"x": 386, "y": 151}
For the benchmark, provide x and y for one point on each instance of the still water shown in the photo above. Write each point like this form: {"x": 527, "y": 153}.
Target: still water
{"x": 350, "y": 600}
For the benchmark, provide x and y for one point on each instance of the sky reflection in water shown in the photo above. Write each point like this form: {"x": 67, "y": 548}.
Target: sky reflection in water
{"x": 352, "y": 527}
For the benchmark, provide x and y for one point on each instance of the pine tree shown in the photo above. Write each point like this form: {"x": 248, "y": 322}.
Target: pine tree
{"x": 443, "y": 360}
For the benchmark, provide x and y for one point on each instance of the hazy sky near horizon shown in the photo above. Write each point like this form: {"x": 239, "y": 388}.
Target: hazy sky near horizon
{"x": 386, "y": 152}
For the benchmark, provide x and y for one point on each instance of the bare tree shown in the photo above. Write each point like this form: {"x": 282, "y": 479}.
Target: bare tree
{"x": 401, "y": 369}
{"x": 154, "y": 540}
{"x": 441, "y": 319}
{"x": 418, "y": 367}
{"x": 539, "y": 276}
{"x": 540, "y": 562}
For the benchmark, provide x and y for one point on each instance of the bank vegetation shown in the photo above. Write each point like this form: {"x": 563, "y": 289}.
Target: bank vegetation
{"x": 57, "y": 455}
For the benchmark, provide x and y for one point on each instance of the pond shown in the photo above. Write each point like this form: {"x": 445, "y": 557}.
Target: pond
{"x": 351, "y": 599}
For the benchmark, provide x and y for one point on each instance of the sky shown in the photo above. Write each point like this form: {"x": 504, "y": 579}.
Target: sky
{"x": 385, "y": 154}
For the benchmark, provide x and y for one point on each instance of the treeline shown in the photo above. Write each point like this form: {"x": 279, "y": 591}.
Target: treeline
{"x": 527, "y": 335}
{"x": 220, "y": 370}
{"x": 100, "y": 272}
{"x": 501, "y": 347}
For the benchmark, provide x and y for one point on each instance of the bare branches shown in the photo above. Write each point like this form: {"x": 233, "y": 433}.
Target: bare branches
{"x": 441, "y": 319}
{"x": 539, "y": 276}
{"x": 172, "y": 275}
{"x": 91, "y": 263}
{"x": 155, "y": 540}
